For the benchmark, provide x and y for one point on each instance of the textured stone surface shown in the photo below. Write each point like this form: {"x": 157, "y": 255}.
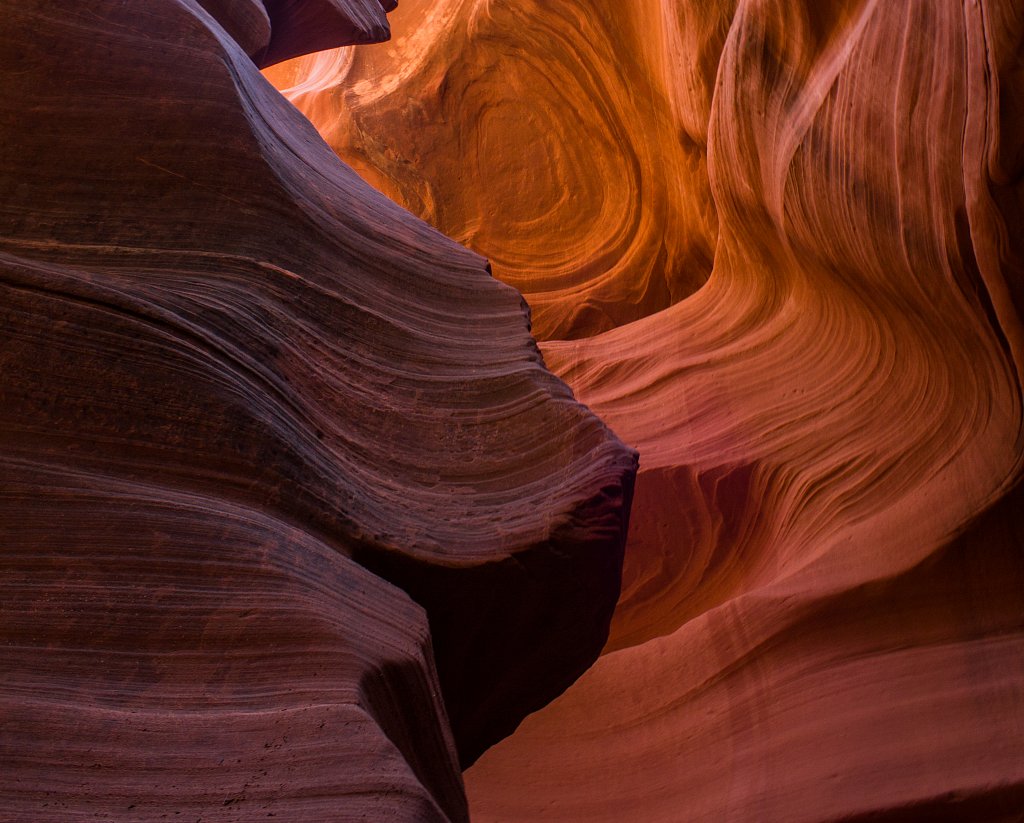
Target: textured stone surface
{"x": 240, "y": 391}
{"x": 561, "y": 140}
{"x": 823, "y": 612}
{"x": 167, "y": 653}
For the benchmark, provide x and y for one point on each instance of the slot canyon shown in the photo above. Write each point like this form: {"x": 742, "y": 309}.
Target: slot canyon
{"x": 512, "y": 410}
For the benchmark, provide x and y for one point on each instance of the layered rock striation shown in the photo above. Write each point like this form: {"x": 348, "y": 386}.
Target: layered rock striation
{"x": 271, "y": 447}
{"x": 778, "y": 247}
{"x": 563, "y": 142}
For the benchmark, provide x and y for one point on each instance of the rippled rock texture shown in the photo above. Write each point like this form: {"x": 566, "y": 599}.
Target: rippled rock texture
{"x": 270, "y": 447}
{"x": 778, "y": 247}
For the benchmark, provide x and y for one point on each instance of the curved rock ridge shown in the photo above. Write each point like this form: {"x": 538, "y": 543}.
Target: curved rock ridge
{"x": 247, "y": 22}
{"x": 303, "y": 26}
{"x": 246, "y": 671}
{"x": 231, "y": 368}
{"x": 822, "y": 614}
{"x": 598, "y": 212}
{"x": 270, "y": 31}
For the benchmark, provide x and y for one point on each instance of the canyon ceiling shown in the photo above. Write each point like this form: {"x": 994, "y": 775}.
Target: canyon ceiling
{"x": 300, "y": 521}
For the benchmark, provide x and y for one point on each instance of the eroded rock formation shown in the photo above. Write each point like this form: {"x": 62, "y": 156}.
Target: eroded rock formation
{"x": 778, "y": 247}
{"x": 251, "y": 411}
{"x": 562, "y": 142}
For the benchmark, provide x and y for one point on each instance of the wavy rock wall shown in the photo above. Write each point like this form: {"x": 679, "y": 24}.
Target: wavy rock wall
{"x": 778, "y": 247}
{"x": 572, "y": 157}
{"x": 271, "y": 447}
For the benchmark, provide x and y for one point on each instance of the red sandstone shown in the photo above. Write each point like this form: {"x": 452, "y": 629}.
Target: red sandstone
{"x": 778, "y": 247}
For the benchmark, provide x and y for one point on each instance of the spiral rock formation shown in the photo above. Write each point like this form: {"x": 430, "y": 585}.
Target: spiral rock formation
{"x": 555, "y": 140}
{"x": 251, "y": 410}
{"x": 779, "y": 247}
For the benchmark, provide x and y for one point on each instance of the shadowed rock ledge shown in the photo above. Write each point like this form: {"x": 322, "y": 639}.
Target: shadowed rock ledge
{"x": 271, "y": 447}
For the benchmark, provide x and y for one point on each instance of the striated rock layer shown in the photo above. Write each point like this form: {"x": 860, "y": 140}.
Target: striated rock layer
{"x": 823, "y": 605}
{"x": 169, "y": 653}
{"x": 558, "y": 140}
{"x": 251, "y": 411}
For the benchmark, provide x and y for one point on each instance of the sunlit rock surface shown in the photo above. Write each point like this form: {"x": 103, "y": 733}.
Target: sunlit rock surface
{"x": 559, "y": 140}
{"x": 778, "y": 247}
{"x": 252, "y": 414}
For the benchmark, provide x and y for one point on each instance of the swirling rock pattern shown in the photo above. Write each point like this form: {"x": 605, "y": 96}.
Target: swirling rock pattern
{"x": 555, "y": 140}
{"x": 823, "y": 604}
{"x": 241, "y": 390}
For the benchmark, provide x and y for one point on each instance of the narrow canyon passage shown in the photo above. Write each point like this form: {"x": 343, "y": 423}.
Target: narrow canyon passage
{"x": 512, "y": 410}
{"x": 777, "y": 247}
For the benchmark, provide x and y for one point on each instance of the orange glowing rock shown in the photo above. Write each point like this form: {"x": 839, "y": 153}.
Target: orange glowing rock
{"x": 778, "y": 247}
{"x": 482, "y": 119}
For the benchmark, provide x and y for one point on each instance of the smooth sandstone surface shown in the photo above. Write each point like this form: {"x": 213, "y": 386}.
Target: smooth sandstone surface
{"x": 779, "y": 247}
{"x": 303, "y": 26}
{"x": 272, "y": 447}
